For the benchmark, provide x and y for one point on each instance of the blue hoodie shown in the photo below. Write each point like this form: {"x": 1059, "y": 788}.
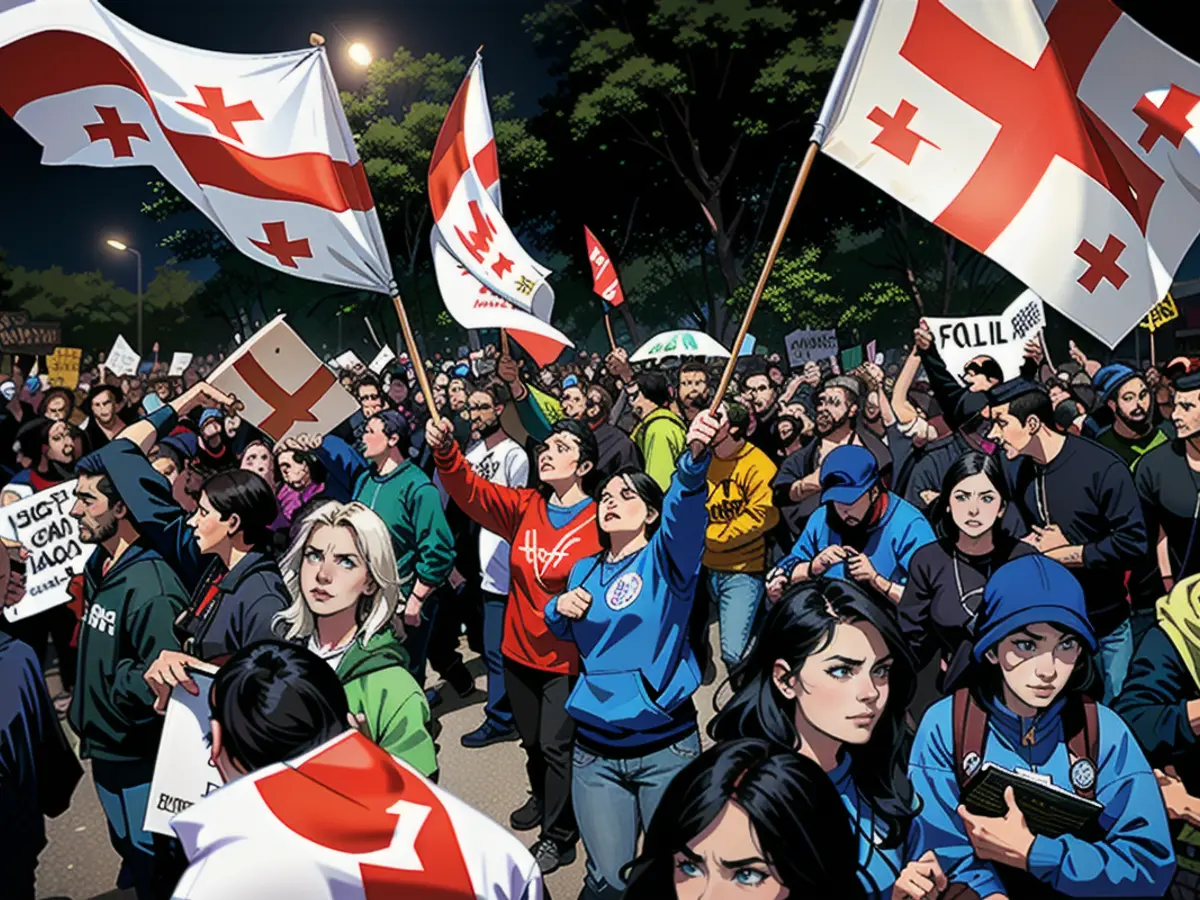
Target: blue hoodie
{"x": 638, "y": 670}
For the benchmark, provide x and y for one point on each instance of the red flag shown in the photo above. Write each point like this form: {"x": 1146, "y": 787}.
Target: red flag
{"x": 604, "y": 274}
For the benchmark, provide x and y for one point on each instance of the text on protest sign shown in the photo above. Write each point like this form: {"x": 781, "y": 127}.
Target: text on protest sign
{"x": 121, "y": 359}
{"x": 183, "y": 772}
{"x": 62, "y": 367}
{"x": 43, "y": 526}
{"x": 1001, "y": 337}
{"x": 382, "y": 360}
{"x": 179, "y": 364}
{"x": 805, "y": 345}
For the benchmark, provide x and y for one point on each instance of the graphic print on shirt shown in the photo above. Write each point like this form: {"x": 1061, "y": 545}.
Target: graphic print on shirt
{"x": 726, "y": 502}
{"x": 622, "y": 592}
{"x": 102, "y": 619}
{"x": 544, "y": 560}
{"x": 487, "y": 467}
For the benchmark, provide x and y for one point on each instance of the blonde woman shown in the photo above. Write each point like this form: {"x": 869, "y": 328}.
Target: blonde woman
{"x": 341, "y": 574}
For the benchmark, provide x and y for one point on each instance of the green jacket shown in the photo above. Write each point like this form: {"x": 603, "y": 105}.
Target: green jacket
{"x": 661, "y": 437}
{"x": 130, "y": 619}
{"x": 380, "y": 687}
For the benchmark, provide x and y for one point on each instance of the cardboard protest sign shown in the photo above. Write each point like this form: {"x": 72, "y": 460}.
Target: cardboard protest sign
{"x": 349, "y": 362}
{"x": 382, "y": 360}
{"x": 1001, "y": 337}
{"x": 121, "y": 359}
{"x": 805, "y": 345}
{"x": 19, "y": 335}
{"x": 749, "y": 343}
{"x": 852, "y": 358}
{"x": 179, "y": 364}
{"x": 1163, "y": 312}
{"x": 42, "y": 525}
{"x": 183, "y": 772}
{"x": 62, "y": 367}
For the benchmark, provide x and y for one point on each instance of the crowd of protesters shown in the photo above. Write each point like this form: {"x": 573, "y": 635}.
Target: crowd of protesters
{"x": 914, "y": 575}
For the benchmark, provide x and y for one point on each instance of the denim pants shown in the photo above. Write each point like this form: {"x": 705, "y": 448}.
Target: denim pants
{"x": 1116, "y": 653}
{"x": 498, "y": 709}
{"x": 416, "y": 640}
{"x": 739, "y": 600}
{"x": 124, "y": 791}
{"x": 615, "y": 800}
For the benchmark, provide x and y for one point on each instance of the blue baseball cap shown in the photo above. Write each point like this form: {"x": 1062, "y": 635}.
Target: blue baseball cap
{"x": 1108, "y": 380}
{"x": 210, "y": 414}
{"x": 1028, "y": 590}
{"x": 847, "y": 473}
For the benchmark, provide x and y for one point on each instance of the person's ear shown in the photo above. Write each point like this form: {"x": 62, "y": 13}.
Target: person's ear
{"x": 233, "y": 524}
{"x": 652, "y": 515}
{"x": 584, "y": 468}
{"x": 120, "y": 510}
{"x": 1033, "y": 424}
{"x": 371, "y": 588}
{"x": 990, "y": 656}
{"x": 783, "y": 679}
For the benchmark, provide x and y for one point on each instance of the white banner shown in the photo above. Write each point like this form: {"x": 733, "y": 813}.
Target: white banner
{"x": 1001, "y": 337}
{"x": 42, "y": 525}
{"x": 348, "y": 362}
{"x": 179, "y": 364}
{"x": 805, "y": 345}
{"x": 183, "y": 772}
{"x": 121, "y": 359}
{"x": 385, "y": 357}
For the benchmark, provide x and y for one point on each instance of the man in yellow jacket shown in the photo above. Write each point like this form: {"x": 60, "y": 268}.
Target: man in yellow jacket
{"x": 660, "y": 432}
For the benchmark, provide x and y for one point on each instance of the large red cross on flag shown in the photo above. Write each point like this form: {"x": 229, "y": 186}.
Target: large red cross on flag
{"x": 284, "y": 387}
{"x": 253, "y": 141}
{"x": 1047, "y": 134}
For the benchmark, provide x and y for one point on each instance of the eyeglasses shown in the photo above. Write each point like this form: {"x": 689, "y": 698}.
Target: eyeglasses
{"x": 480, "y": 407}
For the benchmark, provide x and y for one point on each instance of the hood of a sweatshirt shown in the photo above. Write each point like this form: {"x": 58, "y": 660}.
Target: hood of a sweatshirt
{"x": 383, "y": 651}
{"x": 1179, "y": 617}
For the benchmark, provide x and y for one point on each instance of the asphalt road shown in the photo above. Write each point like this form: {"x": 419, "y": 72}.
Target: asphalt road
{"x": 80, "y": 864}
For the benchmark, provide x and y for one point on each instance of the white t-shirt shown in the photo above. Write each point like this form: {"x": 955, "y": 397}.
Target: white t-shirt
{"x": 507, "y": 465}
{"x": 332, "y": 656}
{"x": 342, "y": 818}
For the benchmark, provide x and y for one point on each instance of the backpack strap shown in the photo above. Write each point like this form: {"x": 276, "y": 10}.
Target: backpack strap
{"x": 1083, "y": 739}
{"x": 970, "y": 729}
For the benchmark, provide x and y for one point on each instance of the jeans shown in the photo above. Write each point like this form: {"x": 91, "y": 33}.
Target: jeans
{"x": 615, "y": 800}
{"x": 124, "y": 791}
{"x": 498, "y": 709}
{"x": 416, "y": 640}
{"x": 739, "y": 599}
{"x": 1116, "y": 653}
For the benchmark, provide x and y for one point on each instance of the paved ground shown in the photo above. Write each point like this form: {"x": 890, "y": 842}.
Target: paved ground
{"x": 79, "y": 863}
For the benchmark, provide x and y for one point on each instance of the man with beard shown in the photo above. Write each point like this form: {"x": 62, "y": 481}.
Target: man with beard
{"x": 105, "y": 407}
{"x": 797, "y": 487}
{"x": 862, "y": 532}
{"x": 693, "y": 392}
{"x": 763, "y": 397}
{"x": 1133, "y": 433}
{"x": 132, "y": 598}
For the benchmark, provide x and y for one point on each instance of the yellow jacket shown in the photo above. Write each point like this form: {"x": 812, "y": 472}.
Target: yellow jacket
{"x": 740, "y": 511}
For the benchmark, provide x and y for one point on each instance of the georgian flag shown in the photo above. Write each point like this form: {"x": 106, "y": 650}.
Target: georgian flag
{"x": 1046, "y": 134}
{"x": 485, "y": 277}
{"x": 258, "y": 143}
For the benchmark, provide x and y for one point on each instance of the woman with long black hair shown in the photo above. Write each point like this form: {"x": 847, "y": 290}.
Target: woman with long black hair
{"x": 831, "y": 676}
{"x": 946, "y": 578}
{"x": 747, "y": 818}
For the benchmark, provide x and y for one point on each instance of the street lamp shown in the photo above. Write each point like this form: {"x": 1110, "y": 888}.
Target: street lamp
{"x": 360, "y": 54}
{"x": 122, "y": 247}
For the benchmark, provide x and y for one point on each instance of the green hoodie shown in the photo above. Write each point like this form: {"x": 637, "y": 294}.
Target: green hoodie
{"x": 661, "y": 437}
{"x": 379, "y": 686}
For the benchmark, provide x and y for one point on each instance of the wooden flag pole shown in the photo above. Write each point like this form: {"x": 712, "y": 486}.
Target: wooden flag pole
{"x": 415, "y": 355}
{"x": 608, "y": 326}
{"x": 505, "y": 349}
{"x": 736, "y": 349}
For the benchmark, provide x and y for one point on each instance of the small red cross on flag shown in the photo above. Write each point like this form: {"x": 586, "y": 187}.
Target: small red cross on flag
{"x": 223, "y": 117}
{"x": 277, "y": 244}
{"x": 283, "y": 386}
{"x": 119, "y": 134}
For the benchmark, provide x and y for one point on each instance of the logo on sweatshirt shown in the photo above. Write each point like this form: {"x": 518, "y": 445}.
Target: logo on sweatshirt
{"x": 544, "y": 560}
{"x": 102, "y": 619}
{"x": 726, "y": 502}
{"x": 622, "y": 592}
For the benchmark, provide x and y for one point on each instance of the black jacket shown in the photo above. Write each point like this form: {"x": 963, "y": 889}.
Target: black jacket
{"x": 616, "y": 450}
{"x": 240, "y": 610}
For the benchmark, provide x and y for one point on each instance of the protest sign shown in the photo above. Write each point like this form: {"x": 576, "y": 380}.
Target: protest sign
{"x": 1001, "y": 337}
{"x": 1163, "y": 312}
{"x": 42, "y": 525}
{"x": 183, "y": 771}
{"x": 19, "y": 335}
{"x": 804, "y": 345}
{"x": 748, "y": 345}
{"x": 871, "y": 353}
{"x": 348, "y": 362}
{"x": 121, "y": 359}
{"x": 382, "y": 360}
{"x": 62, "y": 367}
{"x": 179, "y": 364}
{"x": 852, "y": 358}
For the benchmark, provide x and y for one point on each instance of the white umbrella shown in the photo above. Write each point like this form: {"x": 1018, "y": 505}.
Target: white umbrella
{"x": 681, "y": 342}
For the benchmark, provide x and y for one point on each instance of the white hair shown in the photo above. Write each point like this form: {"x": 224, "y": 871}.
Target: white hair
{"x": 374, "y": 543}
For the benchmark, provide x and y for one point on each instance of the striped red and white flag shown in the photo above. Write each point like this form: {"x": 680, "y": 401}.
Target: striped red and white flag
{"x": 258, "y": 143}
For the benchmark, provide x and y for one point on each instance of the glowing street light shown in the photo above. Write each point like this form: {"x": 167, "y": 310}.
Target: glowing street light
{"x": 360, "y": 54}
{"x": 122, "y": 247}
{"x": 117, "y": 245}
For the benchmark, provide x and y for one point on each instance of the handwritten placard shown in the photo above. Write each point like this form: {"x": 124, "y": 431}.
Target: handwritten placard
{"x": 43, "y": 526}
{"x": 183, "y": 772}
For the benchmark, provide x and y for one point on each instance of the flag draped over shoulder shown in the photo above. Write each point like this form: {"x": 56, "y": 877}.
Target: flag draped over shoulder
{"x": 258, "y": 143}
{"x": 1055, "y": 136}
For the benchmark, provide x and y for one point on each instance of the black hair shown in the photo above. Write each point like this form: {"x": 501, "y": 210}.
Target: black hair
{"x": 166, "y": 451}
{"x": 800, "y": 823}
{"x": 801, "y": 624}
{"x": 395, "y": 425}
{"x": 1066, "y": 413}
{"x": 92, "y": 465}
{"x": 498, "y": 391}
{"x": 65, "y": 393}
{"x": 739, "y": 418}
{"x": 985, "y": 680}
{"x": 606, "y": 400}
{"x": 306, "y": 509}
{"x": 275, "y": 701}
{"x": 367, "y": 378}
{"x": 1032, "y": 403}
{"x": 316, "y": 468}
{"x": 973, "y": 462}
{"x": 693, "y": 366}
{"x": 118, "y": 395}
{"x": 31, "y": 438}
{"x": 654, "y": 387}
{"x": 589, "y": 452}
{"x": 246, "y": 495}
{"x": 987, "y": 367}
{"x": 644, "y": 486}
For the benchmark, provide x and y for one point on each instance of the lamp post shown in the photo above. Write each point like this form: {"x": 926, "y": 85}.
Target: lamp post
{"x": 122, "y": 247}
{"x": 360, "y": 54}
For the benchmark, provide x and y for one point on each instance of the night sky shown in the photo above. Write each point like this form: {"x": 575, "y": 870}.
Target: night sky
{"x": 61, "y": 214}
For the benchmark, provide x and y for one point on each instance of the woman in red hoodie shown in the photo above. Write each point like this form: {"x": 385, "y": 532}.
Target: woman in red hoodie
{"x": 550, "y": 528}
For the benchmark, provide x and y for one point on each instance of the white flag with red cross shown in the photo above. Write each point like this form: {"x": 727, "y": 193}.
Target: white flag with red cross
{"x": 258, "y": 143}
{"x": 1043, "y": 133}
{"x": 284, "y": 388}
{"x": 485, "y": 277}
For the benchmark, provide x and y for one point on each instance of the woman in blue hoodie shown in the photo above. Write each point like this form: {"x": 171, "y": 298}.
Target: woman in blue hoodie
{"x": 832, "y": 677}
{"x": 627, "y": 610}
{"x": 1023, "y": 707}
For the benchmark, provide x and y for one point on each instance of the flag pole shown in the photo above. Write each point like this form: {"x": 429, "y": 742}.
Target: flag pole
{"x": 608, "y": 325}
{"x": 505, "y": 350}
{"x": 415, "y": 355}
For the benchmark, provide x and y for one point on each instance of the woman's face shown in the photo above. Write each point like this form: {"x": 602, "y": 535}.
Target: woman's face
{"x": 257, "y": 459}
{"x": 558, "y": 459}
{"x": 975, "y": 505}
{"x": 621, "y": 510}
{"x": 725, "y": 863}
{"x": 1036, "y": 662}
{"x": 209, "y": 527}
{"x": 333, "y": 573}
{"x": 841, "y": 690}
